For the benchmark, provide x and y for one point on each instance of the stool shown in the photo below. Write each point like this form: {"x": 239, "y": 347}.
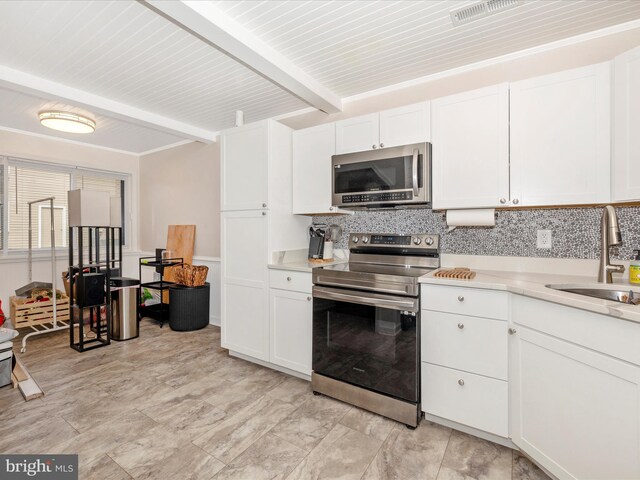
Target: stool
{"x": 189, "y": 307}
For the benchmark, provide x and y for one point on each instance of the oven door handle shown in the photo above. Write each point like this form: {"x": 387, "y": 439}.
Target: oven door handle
{"x": 415, "y": 172}
{"x": 364, "y": 298}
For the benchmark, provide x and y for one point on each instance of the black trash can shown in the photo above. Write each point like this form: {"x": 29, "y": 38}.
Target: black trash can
{"x": 124, "y": 299}
{"x": 188, "y": 307}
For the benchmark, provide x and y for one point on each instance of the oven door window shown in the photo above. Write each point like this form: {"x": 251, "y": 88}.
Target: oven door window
{"x": 371, "y": 347}
{"x": 375, "y": 175}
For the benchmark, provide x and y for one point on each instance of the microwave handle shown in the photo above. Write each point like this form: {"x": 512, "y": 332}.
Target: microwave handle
{"x": 415, "y": 172}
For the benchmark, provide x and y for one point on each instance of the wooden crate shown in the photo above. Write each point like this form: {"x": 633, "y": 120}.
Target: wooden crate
{"x": 25, "y": 314}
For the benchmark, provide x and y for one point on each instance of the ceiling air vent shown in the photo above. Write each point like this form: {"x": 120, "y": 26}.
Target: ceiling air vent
{"x": 481, "y": 9}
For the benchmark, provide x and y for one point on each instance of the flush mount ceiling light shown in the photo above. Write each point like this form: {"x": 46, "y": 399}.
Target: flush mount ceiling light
{"x": 67, "y": 122}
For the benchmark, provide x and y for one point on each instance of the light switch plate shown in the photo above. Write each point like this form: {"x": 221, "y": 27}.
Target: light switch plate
{"x": 544, "y": 239}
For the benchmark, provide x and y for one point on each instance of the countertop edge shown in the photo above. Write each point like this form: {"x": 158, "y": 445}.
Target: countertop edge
{"x": 500, "y": 281}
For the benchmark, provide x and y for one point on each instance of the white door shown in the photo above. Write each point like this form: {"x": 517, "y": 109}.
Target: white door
{"x": 560, "y": 138}
{"x": 574, "y": 411}
{"x": 470, "y": 136}
{"x": 291, "y": 321}
{"x": 626, "y": 126}
{"x": 244, "y": 153}
{"x": 358, "y": 134}
{"x": 312, "y": 150}
{"x": 405, "y": 125}
{"x": 245, "y": 321}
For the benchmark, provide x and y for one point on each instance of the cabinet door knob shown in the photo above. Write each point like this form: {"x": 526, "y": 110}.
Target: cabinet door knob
{"x": 461, "y": 326}
{"x": 461, "y": 382}
{"x": 512, "y": 331}
{"x": 308, "y": 299}
{"x": 374, "y": 146}
{"x": 460, "y": 298}
{"x": 515, "y": 201}
{"x": 288, "y": 279}
{"x": 264, "y": 213}
{"x": 382, "y": 145}
{"x": 264, "y": 205}
{"x": 503, "y": 200}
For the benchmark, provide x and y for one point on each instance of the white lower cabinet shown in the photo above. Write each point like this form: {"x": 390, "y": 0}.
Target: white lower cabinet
{"x": 290, "y": 319}
{"x": 244, "y": 326}
{"x": 472, "y": 400}
{"x": 464, "y": 357}
{"x": 574, "y": 410}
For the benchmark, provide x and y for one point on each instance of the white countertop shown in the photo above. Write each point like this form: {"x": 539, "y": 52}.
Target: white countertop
{"x": 303, "y": 265}
{"x": 297, "y": 261}
{"x": 534, "y": 285}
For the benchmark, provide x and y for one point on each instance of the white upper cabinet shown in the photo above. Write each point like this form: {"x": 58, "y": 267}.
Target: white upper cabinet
{"x": 312, "y": 150}
{"x": 390, "y": 128}
{"x": 626, "y": 122}
{"x": 244, "y": 166}
{"x": 357, "y": 134}
{"x": 405, "y": 125}
{"x": 560, "y": 138}
{"x": 471, "y": 149}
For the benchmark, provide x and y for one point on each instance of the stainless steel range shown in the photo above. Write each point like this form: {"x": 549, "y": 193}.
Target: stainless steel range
{"x": 366, "y": 324}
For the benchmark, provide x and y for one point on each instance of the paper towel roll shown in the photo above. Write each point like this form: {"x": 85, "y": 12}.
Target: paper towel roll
{"x": 482, "y": 217}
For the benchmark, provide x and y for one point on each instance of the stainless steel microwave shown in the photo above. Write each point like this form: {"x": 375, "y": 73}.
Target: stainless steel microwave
{"x": 382, "y": 178}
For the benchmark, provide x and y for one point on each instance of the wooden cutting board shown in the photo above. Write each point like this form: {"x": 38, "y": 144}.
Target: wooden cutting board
{"x": 180, "y": 240}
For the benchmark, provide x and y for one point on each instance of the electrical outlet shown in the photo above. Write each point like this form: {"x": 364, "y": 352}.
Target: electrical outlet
{"x": 544, "y": 239}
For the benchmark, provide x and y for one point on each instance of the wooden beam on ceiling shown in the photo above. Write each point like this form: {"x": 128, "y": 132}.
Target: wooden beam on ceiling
{"x": 30, "y": 84}
{"x": 208, "y": 23}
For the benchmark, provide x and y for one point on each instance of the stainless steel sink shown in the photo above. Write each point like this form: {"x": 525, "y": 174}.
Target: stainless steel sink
{"x": 616, "y": 293}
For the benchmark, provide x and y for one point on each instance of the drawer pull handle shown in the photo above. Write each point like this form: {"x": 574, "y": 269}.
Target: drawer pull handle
{"x": 308, "y": 299}
{"x": 461, "y": 326}
{"x": 460, "y": 298}
{"x": 461, "y": 382}
{"x": 288, "y": 279}
{"x": 512, "y": 331}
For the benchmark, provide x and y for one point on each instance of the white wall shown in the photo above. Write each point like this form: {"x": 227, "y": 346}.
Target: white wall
{"x": 181, "y": 186}
{"x": 13, "y": 268}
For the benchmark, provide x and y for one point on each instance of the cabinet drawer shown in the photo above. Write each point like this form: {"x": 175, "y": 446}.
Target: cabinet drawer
{"x": 469, "y": 399}
{"x": 290, "y": 280}
{"x": 473, "y": 344}
{"x": 466, "y": 301}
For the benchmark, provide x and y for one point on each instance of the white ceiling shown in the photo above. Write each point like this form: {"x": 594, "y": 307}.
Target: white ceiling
{"x": 20, "y": 112}
{"x": 178, "y": 86}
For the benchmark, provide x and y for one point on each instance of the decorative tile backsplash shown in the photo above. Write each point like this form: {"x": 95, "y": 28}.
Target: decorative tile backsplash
{"x": 575, "y": 231}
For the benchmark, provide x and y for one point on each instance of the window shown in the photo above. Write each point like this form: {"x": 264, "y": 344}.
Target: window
{"x": 27, "y": 184}
{"x": 30, "y": 181}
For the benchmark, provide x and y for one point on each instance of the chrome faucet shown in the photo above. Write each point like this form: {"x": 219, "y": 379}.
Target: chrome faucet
{"x": 609, "y": 235}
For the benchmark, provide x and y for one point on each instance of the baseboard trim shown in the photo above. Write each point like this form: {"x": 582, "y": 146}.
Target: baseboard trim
{"x": 270, "y": 365}
{"x": 214, "y": 320}
{"x": 506, "y": 442}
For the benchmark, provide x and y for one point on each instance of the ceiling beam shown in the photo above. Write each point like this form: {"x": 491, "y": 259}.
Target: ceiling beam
{"x": 47, "y": 89}
{"x": 211, "y": 25}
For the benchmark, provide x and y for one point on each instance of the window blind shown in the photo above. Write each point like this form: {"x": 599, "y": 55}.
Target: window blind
{"x": 28, "y": 184}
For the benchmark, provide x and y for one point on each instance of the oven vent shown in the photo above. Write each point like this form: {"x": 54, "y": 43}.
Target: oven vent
{"x": 481, "y": 10}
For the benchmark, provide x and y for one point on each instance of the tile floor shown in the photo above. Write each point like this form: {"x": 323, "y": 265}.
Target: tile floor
{"x": 173, "y": 405}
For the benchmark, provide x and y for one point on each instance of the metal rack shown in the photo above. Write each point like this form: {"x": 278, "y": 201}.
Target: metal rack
{"x": 99, "y": 324}
{"x": 54, "y": 324}
{"x": 161, "y": 309}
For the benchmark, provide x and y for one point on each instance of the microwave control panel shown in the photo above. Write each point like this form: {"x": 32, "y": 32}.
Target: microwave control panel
{"x": 377, "y": 197}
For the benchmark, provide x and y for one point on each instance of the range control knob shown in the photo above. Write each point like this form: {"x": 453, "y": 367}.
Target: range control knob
{"x": 354, "y": 239}
{"x": 365, "y": 239}
{"x": 428, "y": 240}
{"x": 417, "y": 241}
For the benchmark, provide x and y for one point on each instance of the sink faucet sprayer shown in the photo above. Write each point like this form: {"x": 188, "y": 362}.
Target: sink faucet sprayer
{"x": 609, "y": 235}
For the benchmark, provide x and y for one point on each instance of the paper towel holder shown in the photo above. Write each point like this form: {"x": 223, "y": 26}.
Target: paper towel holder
{"x": 444, "y": 216}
